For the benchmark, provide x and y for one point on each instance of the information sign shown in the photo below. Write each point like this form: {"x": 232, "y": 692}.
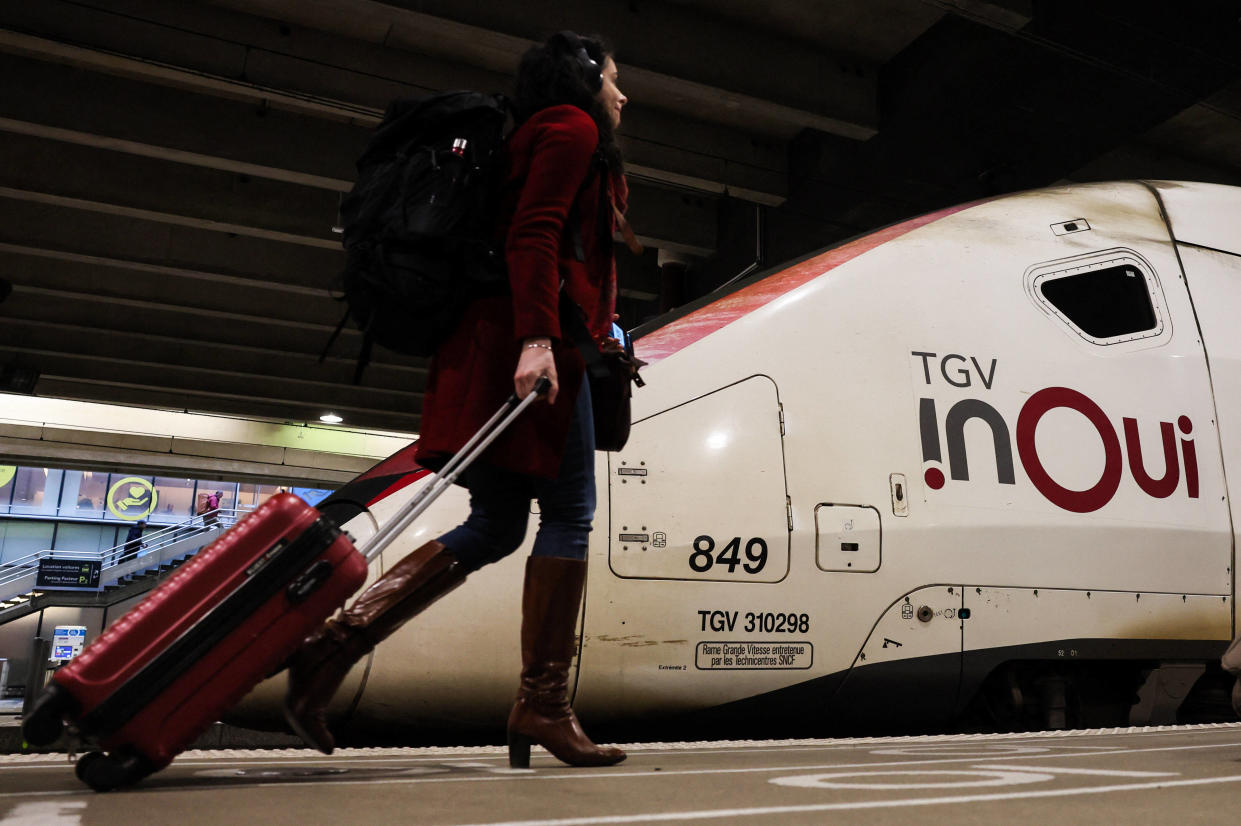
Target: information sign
{"x": 68, "y": 575}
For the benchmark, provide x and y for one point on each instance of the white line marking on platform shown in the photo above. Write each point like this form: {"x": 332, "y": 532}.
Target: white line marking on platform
{"x": 613, "y": 773}
{"x": 606, "y": 774}
{"x": 988, "y": 778}
{"x": 999, "y": 750}
{"x": 699, "y": 747}
{"x": 1063, "y": 770}
{"x": 51, "y": 813}
{"x": 763, "y": 811}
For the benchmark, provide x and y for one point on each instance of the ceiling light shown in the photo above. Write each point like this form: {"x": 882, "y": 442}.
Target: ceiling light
{"x": 331, "y": 418}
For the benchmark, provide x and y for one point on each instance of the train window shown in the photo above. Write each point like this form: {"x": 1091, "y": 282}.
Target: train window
{"x": 1104, "y": 303}
{"x": 1105, "y": 298}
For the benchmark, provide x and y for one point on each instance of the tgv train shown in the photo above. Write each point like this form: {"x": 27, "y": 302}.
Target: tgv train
{"x": 972, "y": 466}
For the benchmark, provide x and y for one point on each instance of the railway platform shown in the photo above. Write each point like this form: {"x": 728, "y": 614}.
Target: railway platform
{"x": 1187, "y": 774}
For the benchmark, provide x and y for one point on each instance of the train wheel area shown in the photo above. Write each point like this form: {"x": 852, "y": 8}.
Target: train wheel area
{"x": 1153, "y": 774}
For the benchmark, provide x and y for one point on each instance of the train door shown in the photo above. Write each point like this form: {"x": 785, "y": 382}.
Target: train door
{"x": 697, "y": 561}
{"x": 699, "y": 493}
{"x": 1215, "y": 284}
{"x": 1203, "y": 223}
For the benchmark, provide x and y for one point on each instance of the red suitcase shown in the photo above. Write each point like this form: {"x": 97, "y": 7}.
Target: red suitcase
{"x": 149, "y": 685}
{"x": 162, "y": 674}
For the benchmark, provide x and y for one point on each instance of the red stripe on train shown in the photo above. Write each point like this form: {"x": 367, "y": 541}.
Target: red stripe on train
{"x": 404, "y": 482}
{"x": 706, "y": 320}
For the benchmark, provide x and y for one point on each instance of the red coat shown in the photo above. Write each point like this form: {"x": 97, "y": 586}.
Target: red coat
{"x": 549, "y": 159}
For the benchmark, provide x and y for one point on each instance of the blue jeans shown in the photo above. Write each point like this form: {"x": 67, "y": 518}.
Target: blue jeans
{"x": 500, "y": 502}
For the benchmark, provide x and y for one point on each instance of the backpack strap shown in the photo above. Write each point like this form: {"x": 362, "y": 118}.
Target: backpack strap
{"x": 598, "y": 167}
{"x": 364, "y": 357}
{"x": 335, "y": 335}
{"x": 573, "y": 323}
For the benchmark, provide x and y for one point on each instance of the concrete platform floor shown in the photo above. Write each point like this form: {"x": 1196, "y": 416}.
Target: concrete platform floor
{"x": 1182, "y": 774}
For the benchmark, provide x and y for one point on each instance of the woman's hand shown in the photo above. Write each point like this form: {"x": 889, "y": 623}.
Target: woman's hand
{"x": 535, "y": 362}
{"x": 608, "y": 345}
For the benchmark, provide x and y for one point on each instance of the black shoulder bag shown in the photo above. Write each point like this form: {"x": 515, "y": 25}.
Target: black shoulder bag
{"x": 611, "y": 375}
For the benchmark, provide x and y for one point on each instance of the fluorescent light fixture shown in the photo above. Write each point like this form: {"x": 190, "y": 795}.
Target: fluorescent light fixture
{"x": 331, "y": 418}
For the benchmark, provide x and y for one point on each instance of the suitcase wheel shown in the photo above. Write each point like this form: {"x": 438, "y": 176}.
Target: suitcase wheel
{"x": 45, "y": 722}
{"x": 104, "y": 772}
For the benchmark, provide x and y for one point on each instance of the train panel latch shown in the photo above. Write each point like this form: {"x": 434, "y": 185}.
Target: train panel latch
{"x": 847, "y": 538}
{"x": 900, "y": 494}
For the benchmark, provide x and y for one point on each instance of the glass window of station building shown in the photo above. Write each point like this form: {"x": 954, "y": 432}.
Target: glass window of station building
{"x": 81, "y": 510}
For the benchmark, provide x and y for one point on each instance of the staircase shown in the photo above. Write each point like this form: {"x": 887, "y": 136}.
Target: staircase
{"x": 123, "y": 574}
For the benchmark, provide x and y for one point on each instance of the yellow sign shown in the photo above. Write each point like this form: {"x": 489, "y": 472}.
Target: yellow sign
{"x": 7, "y": 472}
{"x": 132, "y": 498}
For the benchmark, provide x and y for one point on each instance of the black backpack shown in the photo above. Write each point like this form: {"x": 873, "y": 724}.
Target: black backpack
{"x": 419, "y": 223}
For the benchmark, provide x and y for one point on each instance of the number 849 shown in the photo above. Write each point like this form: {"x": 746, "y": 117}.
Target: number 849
{"x": 704, "y": 558}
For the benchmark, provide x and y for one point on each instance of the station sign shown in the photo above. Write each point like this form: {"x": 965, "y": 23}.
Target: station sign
{"x": 68, "y": 574}
{"x": 132, "y": 498}
{"x": 68, "y": 641}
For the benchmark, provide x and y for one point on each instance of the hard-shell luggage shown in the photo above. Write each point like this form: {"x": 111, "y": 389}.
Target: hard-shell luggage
{"x": 162, "y": 674}
{"x": 230, "y": 617}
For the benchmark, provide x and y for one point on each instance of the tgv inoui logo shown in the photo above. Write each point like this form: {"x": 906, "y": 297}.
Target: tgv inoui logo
{"x": 955, "y": 370}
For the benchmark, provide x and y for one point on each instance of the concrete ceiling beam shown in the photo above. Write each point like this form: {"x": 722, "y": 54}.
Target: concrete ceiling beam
{"x": 96, "y": 269}
{"x": 220, "y": 385}
{"x": 56, "y": 200}
{"x": 151, "y": 116}
{"x": 162, "y": 153}
{"x": 219, "y": 199}
{"x": 189, "y": 324}
{"x": 73, "y": 455}
{"x": 150, "y": 290}
{"x": 872, "y": 30}
{"x": 195, "y": 401}
{"x": 64, "y": 229}
{"x": 741, "y": 170}
{"x": 196, "y": 434}
{"x": 206, "y": 353}
{"x": 92, "y": 312}
{"x": 65, "y": 175}
{"x": 798, "y": 88}
{"x": 178, "y": 77}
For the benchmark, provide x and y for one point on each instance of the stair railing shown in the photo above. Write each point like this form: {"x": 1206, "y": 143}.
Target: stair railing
{"x": 18, "y": 576}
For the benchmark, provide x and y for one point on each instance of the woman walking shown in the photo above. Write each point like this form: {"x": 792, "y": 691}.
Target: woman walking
{"x": 563, "y": 190}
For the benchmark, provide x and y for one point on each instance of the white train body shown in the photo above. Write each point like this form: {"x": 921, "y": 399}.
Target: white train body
{"x": 862, "y": 484}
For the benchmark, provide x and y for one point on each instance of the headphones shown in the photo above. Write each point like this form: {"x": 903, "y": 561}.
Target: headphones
{"x": 592, "y": 73}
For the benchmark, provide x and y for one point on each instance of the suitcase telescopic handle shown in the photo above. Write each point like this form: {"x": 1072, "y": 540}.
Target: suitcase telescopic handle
{"x": 448, "y": 474}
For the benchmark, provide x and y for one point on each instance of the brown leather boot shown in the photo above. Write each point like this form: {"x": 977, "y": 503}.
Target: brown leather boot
{"x": 318, "y": 668}
{"x": 542, "y": 713}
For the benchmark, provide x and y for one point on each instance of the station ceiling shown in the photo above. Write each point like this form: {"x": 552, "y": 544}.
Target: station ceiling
{"x": 172, "y": 169}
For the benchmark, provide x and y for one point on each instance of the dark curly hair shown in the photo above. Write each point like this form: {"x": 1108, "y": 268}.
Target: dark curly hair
{"x": 550, "y": 74}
